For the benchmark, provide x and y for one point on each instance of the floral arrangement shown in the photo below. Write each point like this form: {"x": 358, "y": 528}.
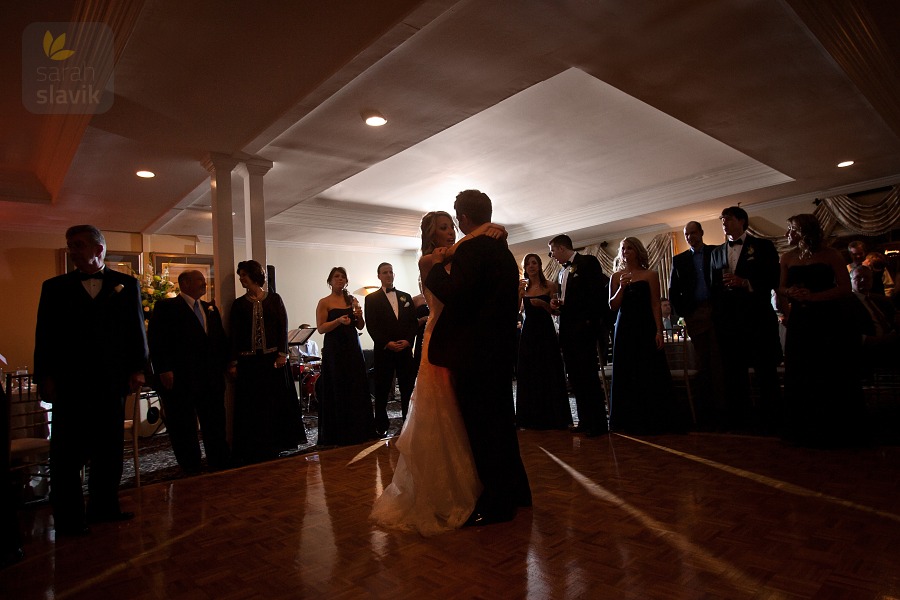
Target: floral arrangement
{"x": 154, "y": 288}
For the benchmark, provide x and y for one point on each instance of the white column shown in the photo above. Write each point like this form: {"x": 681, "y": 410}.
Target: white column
{"x": 220, "y": 167}
{"x": 252, "y": 172}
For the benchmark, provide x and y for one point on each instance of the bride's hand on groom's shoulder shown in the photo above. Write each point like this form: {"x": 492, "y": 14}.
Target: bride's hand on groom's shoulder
{"x": 496, "y": 231}
{"x": 440, "y": 255}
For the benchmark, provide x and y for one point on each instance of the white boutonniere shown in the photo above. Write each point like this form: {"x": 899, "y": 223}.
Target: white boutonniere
{"x": 211, "y": 308}
{"x": 404, "y": 299}
{"x": 750, "y": 250}
{"x": 119, "y": 288}
{"x": 572, "y": 270}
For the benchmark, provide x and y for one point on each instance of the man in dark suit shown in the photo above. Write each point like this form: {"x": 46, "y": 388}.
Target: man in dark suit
{"x": 689, "y": 287}
{"x": 90, "y": 352}
{"x": 189, "y": 353}
{"x": 475, "y": 338}
{"x": 583, "y": 317}
{"x": 743, "y": 273}
{"x": 391, "y": 321}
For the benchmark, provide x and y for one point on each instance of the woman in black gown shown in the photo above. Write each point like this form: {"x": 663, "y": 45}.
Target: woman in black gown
{"x": 823, "y": 407}
{"x": 345, "y": 406}
{"x": 641, "y": 396}
{"x": 267, "y": 417}
{"x": 542, "y": 401}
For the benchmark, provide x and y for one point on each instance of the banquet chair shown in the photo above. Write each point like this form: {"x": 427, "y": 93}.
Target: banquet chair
{"x": 132, "y": 429}
{"x": 29, "y": 426}
{"x": 678, "y": 355}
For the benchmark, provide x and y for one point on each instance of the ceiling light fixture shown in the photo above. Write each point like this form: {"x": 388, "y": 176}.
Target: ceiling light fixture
{"x": 146, "y": 174}
{"x": 373, "y": 118}
{"x": 846, "y": 163}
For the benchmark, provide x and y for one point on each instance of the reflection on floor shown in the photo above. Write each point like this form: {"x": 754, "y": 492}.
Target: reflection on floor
{"x": 695, "y": 516}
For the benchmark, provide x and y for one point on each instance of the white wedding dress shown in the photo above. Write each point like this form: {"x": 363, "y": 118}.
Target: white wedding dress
{"x": 435, "y": 484}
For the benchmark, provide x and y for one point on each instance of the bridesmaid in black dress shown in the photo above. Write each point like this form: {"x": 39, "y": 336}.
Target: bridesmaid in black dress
{"x": 542, "y": 401}
{"x": 345, "y": 407}
{"x": 267, "y": 417}
{"x": 823, "y": 408}
{"x": 641, "y": 397}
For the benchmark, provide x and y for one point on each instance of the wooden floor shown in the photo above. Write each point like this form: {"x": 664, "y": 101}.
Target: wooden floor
{"x": 696, "y": 516}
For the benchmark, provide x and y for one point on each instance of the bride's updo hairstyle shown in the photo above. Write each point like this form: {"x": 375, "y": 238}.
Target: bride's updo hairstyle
{"x": 429, "y": 225}
{"x": 642, "y": 255}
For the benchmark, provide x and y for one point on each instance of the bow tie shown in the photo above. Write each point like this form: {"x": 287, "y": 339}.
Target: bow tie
{"x": 389, "y": 290}
{"x": 568, "y": 263}
{"x": 735, "y": 243}
{"x": 86, "y": 276}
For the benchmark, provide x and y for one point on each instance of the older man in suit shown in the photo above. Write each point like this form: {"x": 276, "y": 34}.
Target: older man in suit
{"x": 689, "y": 287}
{"x": 583, "y": 318}
{"x": 743, "y": 273}
{"x": 189, "y": 353}
{"x": 90, "y": 352}
{"x": 391, "y": 321}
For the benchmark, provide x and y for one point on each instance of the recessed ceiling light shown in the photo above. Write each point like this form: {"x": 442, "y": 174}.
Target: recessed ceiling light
{"x": 146, "y": 174}
{"x": 373, "y": 118}
{"x": 846, "y": 163}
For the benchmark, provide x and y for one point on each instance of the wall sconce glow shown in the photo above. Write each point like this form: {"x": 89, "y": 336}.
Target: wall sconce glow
{"x": 146, "y": 174}
{"x": 373, "y": 118}
{"x": 846, "y": 163}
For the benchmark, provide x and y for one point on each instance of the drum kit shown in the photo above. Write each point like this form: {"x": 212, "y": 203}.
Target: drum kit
{"x": 305, "y": 368}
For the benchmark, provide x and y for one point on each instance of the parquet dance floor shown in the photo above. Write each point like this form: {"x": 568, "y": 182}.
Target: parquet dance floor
{"x": 695, "y": 516}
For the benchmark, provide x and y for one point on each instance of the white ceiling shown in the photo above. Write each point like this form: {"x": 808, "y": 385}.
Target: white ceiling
{"x": 580, "y": 117}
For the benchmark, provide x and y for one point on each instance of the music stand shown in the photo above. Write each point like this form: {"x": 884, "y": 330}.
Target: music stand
{"x": 298, "y": 337}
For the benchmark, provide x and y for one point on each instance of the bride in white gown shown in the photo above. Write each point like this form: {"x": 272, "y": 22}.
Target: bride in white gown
{"x": 435, "y": 484}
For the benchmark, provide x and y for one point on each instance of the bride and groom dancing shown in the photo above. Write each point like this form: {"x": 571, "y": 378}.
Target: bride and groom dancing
{"x": 459, "y": 453}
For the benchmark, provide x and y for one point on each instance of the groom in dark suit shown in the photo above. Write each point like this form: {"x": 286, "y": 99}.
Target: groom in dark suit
{"x": 90, "y": 351}
{"x": 189, "y": 353}
{"x": 476, "y": 339}
{"x": 391, "y": 321}
{"x": 583, "y": 318}
{"x": 743, "y": 273}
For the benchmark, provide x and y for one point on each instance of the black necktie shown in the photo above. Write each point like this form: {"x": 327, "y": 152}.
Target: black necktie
{"x": 86, "y": 276}
{"x": 566, "y": 264}
{"x": 735, "y": 243}
{"x": 389, "y": 290}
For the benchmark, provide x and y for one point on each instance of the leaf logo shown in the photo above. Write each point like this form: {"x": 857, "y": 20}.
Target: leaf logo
{"x": 54, "y": 48}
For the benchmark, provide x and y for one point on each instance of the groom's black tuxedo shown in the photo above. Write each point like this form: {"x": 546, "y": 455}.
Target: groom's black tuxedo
{"x": 384, "y": 327}
{"x": 747, "y": 327}
{"x": 475, "y": 337}
{"x": 197, "y": 360}
{"x": 88, "y": 348}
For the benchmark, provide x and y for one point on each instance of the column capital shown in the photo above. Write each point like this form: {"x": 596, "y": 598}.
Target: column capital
{"x": 214, "y": 162}
{"x": 254, "y": 166}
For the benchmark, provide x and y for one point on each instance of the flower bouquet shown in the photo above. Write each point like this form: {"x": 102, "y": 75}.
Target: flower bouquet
{"x": 154, "y": 288}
